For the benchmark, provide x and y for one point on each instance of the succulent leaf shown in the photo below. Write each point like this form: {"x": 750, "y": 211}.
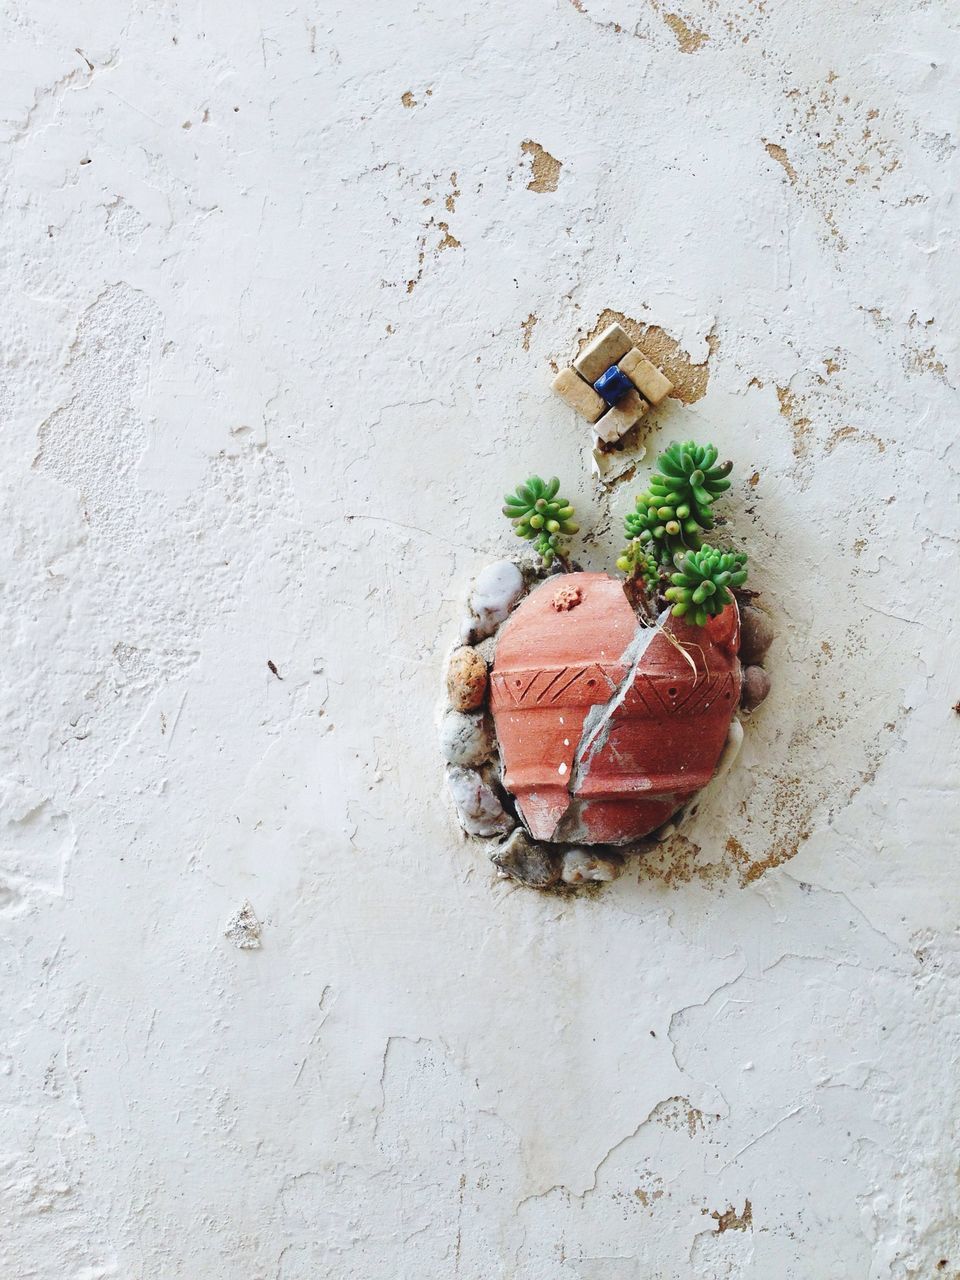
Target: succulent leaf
{"x": 638, "y": 562}
{"x": 701, "y": 585}
{"x": 676, "y": 505}
{"x": 541, "y": 516}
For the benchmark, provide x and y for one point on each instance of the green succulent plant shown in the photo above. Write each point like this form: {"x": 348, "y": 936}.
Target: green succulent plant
{"x": 666, "y": 530}
{"x": 701, "y": 585}
{"x": 638, "y": 562}
{"x": 675, "y": 508}
{"x": 664, "y": 535}
{"x": 540, "y": 516}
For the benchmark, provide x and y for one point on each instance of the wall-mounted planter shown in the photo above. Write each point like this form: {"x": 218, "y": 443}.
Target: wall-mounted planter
{"x": 607, "y": 727}
{"x": 583, "y": 712}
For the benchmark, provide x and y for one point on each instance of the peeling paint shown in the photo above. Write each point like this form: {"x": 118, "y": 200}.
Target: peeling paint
{"x": 689, "y": 39}
{"x": 545, "y": 168}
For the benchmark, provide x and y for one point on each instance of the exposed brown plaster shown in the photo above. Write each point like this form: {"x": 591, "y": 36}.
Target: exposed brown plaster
{"x": 678, "y": 1113}
{"x": 603, "y": 26}
{"x": 799, "y": 424}
{"x": 527, "y": 327}
{"x": 449, "y": 241}
{"x": 675, "y": 861}
{"x": 927, "y": 361}
{"x": 841, "y": 147}
{"x": 690, "y": 39}
{"x": 793, "y": 805}
{"x": 853, "y": 433}
{"x": 777, "y": 152}
{"x": 545, "y": 168}
{"x": 649, "y": 1196}
{"x": 689, "y": 379}
{"x": 730, "y": 1220}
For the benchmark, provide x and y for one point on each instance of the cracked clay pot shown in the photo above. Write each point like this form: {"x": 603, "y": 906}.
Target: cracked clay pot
{"x": 607, "y": 727}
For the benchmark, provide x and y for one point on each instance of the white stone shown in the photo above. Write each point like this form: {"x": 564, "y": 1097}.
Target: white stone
{"x": 582, "y": 866}
{"x": 467, "y": 737}
{"x": 497, "y": 590}
{"x": 478, "y": 809}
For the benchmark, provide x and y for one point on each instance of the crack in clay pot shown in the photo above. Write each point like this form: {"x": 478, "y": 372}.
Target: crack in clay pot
{"x": 598, "y": 721}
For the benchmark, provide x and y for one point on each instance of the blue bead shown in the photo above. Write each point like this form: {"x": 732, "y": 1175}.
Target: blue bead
{"x": 613, "y": 385}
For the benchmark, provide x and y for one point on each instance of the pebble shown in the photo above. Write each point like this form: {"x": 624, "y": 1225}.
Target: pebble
{"x": 757, "y": 634}
{"x": 467, "y": 738}
{"x": 466, "y": 679}
{"x": 498, "y": 588}
{"x": 756, "y": 686}
{"x": 478, "y": 809}
{"x": 581, "y": 866}
{"x": 522, "y": 859}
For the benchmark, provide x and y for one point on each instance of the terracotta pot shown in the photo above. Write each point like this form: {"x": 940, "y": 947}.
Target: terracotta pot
{"x": 605, "y": 727}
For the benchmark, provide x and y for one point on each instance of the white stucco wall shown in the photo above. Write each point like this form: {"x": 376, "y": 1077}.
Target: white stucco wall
{"x": 279, "y": 311}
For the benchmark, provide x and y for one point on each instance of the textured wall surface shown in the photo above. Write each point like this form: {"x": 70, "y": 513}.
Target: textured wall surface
{"x": 282, "y": 285}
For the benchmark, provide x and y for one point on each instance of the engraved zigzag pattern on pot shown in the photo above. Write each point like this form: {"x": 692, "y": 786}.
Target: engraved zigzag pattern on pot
{"x": 587, "y": 685}
{"x": 568, "y": 686}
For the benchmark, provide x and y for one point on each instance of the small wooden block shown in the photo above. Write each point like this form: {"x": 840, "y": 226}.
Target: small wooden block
{"x": 606, "y": 349}
{"x": 579, "y": 395}
{"x": 646, "y": 377}
{"x": 625, "y": 414}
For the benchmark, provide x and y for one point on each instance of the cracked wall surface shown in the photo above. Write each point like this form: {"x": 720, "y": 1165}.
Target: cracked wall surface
{"x": 283, "y": 286}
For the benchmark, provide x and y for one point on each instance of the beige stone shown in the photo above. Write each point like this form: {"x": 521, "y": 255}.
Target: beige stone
{"x": 626, "y": 413}
{"x": 579, "y": 395}
{"x": 646, "y": 377}
{"x": 466, "y": 679}
{"x": 606, "y": 349}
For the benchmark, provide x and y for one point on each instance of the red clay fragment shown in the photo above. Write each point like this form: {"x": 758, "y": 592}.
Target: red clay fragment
{"x": 605, "y": 727}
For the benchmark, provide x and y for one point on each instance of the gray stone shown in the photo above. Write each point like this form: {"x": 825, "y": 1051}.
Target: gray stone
{"x": 582, "y": 866}
{"x": 757, "y": 633}
{"x": 478, "y": 808}
{"x": 756, "y": 686}
{"x": 523, "y": 859}
{"x": 487, "y": 649}
{"x": 466, "y": 738}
